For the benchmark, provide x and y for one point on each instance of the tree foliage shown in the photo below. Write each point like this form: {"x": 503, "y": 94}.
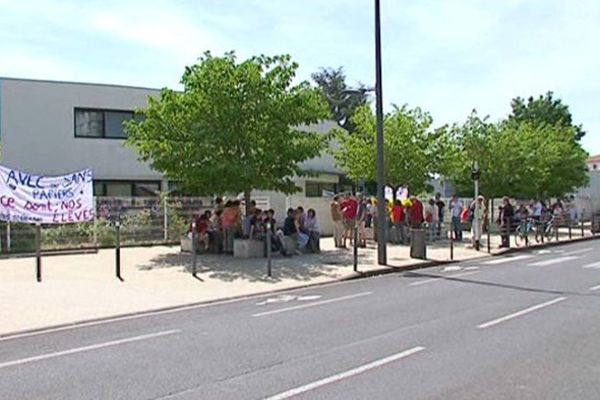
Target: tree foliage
{"x": 236, "y": 126}
{"x": 412, "y": 150}
{"x": 522, "y": 160}
{"x": 544, "y": 110}
{"x": 343, "y": 100}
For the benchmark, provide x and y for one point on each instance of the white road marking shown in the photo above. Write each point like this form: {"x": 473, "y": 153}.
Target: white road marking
{"x": 520, "y": 313}
{"x": 593, "y": 288}
{"x": 441, "y": 278}
{"x": 452, "y": 268}
{"x": 147, "y": 314}
{"x": 87, "y": 348}
{"x": 343, "y": 375}
{"x": 316, "y": 303}
{"x": 586, "y": 250}
{"x": 507, "y": 259}
{"x": 552, "y": 261}
{"x": 595, "y": 265}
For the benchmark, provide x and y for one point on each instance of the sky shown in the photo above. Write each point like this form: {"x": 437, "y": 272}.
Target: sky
{"x": 446, "y": 56}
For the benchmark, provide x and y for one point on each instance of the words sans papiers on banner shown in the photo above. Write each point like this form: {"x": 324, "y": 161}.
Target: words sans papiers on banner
{"x": 30, "y": 198}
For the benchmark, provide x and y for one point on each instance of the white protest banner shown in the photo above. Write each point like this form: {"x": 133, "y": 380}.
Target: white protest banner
{"x": 42, "y": 199}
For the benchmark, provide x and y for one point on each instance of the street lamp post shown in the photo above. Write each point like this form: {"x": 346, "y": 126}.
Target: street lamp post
{"x": 381, "y": 208}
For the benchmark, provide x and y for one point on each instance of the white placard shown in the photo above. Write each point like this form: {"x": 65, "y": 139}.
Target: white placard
{"x": 31, "y": 199}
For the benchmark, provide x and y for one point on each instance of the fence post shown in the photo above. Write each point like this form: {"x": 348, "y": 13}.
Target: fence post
{"x": 355, "y": 248}
{"x": 489, "y": 232}
{"x": 451, "y": 244}
{"x": 194, "y": 249}
{"x": 8, "y": 244}
{"x": 269, "y": 272}
{"x": 165, "y": 220}
{"x": 118, "y": 249}
{"x": 38, "y": 251}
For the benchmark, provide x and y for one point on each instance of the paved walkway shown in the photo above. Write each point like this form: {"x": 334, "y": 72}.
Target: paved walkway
{"x": 83, "y": 287}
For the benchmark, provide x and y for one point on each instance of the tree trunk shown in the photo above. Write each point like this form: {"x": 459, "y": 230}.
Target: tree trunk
{"x": 247, "y": 201}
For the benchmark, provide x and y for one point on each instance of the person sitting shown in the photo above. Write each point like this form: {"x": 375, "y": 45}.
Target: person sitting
{"x": 256, "y": 228}
{"x": 276, "y": 241}
{"x": 201, "y": 225}
{"x": 290, "y": 228}
{"x": 314, "y": 231}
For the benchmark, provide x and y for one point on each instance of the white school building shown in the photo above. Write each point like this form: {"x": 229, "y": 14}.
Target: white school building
{"x": 51, "y": 128}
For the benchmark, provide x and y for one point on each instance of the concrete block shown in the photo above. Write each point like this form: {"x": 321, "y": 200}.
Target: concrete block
{"x": 248, "y": 248}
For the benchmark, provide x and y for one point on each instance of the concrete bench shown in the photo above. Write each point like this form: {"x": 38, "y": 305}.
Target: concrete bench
{"x": 248, "y": 248}
{"x": 290, "y": 244}
{"x": 186, "y": 246}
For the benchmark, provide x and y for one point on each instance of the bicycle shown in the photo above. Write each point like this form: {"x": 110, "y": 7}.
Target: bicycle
{"x": 524, "y": 231}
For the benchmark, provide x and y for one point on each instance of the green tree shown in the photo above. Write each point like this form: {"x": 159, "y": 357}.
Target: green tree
{"x": 518, "y": 160}
{"x": 236, "y": 126}
{"x": 412, "y": 150}
{"x": 343, "y": 100}
{"x": 544, "y": 109}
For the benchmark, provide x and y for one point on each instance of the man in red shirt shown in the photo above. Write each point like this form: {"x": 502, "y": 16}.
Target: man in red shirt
{"x": 416, "y": 213}
{"x": 349, "y": 207}
{"x": 399, "y": 218}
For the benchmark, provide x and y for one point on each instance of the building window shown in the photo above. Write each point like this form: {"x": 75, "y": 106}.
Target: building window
{"x": 92, "y": 123}
{"x": 319, "y": 189}
{"x": 126, "y": 188}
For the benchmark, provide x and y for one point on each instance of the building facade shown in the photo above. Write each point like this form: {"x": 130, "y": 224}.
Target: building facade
{"x": 52, "y": 128}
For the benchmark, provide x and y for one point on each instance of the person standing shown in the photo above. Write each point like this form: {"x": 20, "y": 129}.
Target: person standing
{"x": 349, "y": 209}
{"x": 440, "y": 207}
{"x": 416, "y": 213}
{"x": 456, "y": 208}
{"x": 506, "y": 218}
{"x": 338, "y": 225}
{"x": 479, "y": 212}
{"x": 398, "y": 219}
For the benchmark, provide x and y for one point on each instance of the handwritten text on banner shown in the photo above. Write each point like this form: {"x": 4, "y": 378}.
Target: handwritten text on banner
{"x": 31, "y": 198}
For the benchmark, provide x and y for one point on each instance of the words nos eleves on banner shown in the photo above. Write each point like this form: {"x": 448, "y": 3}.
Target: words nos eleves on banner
{"x": 29, "y": 198}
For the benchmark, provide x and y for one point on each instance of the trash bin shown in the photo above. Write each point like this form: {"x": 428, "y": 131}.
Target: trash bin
{"x": 418, "y": 247}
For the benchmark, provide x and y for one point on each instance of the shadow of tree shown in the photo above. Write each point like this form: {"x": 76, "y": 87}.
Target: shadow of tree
{"x": 226, "y": 268}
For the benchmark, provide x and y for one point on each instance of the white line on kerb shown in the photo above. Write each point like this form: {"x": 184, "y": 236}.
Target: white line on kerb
{"x": 520, "y": 313}
{"x": 86, "y": 348}
{"x": 595, "y": 265}
{"x": 552, "y": 261}
{"x": 344, "y": 375}
{"x": 593, "y": 288}
{"x": 507, "y": 259}
{"x": 441, "y": 278}
{"x": 313, "y": 304}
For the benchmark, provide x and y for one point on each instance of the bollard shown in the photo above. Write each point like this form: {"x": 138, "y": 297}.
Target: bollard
{"x": 355, "y": 249}
{"x": 269, "y": 249}
{"x": 489, "y": 232}
{"x": 118, "y": 250}
{"x": 526, "y": 226}
{"x": 582, "y": 225}
{"x": 451, "y": 245}
{"x": 194, "y": 249}
{"x": 556, "y": 231}
{"x": 570, "y": 225}
{"x": 38, "y": 251}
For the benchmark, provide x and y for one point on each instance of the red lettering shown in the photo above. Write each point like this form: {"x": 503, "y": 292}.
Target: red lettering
{"x": 7, "y": 202}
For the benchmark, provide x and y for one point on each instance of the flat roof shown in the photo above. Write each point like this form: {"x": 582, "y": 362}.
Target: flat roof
{"x": 3, "y": 78}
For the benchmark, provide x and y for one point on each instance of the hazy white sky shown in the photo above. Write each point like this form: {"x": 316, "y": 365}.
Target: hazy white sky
{"x": 446, "y": 56}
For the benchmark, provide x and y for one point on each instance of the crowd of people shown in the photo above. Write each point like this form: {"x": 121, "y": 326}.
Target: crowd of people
{"x": 353, "y": 215}
{"x": 215, "y": 230}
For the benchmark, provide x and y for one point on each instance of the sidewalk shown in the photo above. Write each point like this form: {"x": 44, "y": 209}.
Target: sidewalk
{"x": 83, "y": 287}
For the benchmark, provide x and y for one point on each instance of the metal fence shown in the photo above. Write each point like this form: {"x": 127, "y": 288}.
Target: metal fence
{"x": 144, "y": 221}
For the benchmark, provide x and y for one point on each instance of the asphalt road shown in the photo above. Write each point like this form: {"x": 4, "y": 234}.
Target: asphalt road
{"x": 519, "y": 327}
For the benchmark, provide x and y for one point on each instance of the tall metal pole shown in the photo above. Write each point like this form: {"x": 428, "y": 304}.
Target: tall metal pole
{"x": 381, "y": 206}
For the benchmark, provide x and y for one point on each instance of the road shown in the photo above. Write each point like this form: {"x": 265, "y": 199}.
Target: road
{"x": 525, "y": 326}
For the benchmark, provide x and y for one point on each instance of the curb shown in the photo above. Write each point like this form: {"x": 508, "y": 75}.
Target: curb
{"x": 354, "y": 276}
